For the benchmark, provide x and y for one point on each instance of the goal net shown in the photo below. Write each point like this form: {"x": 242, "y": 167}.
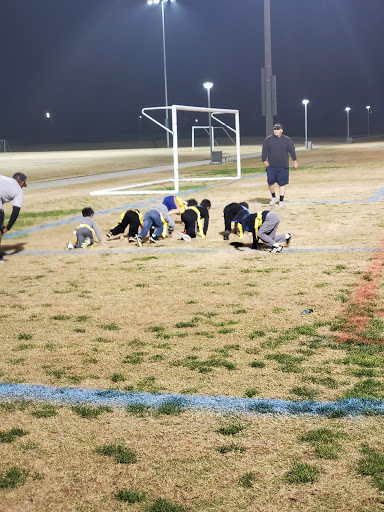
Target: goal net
{"x": 137, "y": 188}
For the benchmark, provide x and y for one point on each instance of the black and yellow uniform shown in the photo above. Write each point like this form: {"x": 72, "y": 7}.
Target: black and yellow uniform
{"x": 193, "y": 219}
{"x": 132, "y": 217}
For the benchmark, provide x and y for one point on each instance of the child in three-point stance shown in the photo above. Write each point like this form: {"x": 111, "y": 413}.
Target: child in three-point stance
{"x": 263, "y": 226}
{"x": 88, "y": 232}
{"x": 193, "y": 217}
{"x": 231, "y": 213}
{"x": 134, "y": 219}
{"x": 160, "y": 220}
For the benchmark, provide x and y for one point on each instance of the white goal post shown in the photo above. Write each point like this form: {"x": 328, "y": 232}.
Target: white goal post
{"x": 213, "y": 112}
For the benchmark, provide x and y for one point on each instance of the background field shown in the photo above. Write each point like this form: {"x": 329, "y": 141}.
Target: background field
{"x": 200, "y": 319}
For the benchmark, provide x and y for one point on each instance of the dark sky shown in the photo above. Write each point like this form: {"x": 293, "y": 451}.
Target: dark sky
{"x": 95, "y": 63}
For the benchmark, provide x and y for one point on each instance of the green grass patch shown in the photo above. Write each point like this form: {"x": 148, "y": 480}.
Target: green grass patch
{"x": 24, "y": 336}
{"x": 110, "y": 327}
{"x": 120, "y": 453}
{"x": 87, "y": 412}
{"x": 12, "y": 478}
{"x": 231, "y": 430}
{"x": 46, "y": 411}
{"x": 251, "y": 392}
{"x": 257, "y": 364}
{"x": 302, "y": 473}
{"x": 247, "y": 480}
{"x": 162, "y": 505}
{"x": 304, "y": 392}
{"x": 140, "y": 410}
{"x": 369, "y": 388}
{"x": 130, "y": 496}
{"x": 232, "y": 447}
{"x": 171, "y": 407}
{"x": 8, "y": 436}
{"x": 372, "y": 464}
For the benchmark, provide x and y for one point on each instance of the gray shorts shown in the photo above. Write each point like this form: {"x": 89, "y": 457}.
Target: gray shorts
{"x": 279, "y": 175}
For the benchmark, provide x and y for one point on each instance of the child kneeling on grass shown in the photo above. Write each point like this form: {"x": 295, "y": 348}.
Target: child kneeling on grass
{"x": 193, "y": 217}
{"x": 135, "y": 220}
{"x": 87, "y": 233}
{"x": 263, "y": 226}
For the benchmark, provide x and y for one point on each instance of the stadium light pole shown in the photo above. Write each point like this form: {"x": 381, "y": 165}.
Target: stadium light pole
{"x": 208, "y": 86}
{"x": 368, "y": 107}
{"x": 162, "y": 2}
{"x": 347, "y": 109}
{"x": 305, "y": 103}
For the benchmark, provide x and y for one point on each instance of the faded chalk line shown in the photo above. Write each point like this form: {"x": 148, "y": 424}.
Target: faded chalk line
{"x": 72, "y": 396}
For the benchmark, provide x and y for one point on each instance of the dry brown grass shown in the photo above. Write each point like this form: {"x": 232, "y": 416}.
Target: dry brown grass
{"x": 59, "y": 309}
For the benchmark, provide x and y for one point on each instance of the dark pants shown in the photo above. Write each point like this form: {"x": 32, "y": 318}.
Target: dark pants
{"x": 82, "y": 234}
{"x": 130, "y": 218}
{"x": 230, "y": 214}
{"x": 189, "y": 217}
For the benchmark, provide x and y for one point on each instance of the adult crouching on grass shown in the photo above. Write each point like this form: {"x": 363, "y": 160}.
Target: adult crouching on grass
{"x": 11, "y": 189}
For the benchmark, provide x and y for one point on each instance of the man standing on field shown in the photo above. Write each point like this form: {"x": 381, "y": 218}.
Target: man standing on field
{"x": 11, "y": 189}
{"x": 275, "y": 155}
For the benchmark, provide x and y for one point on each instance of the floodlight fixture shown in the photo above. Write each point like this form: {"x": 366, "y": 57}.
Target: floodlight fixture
{"x": 208, "y": 85}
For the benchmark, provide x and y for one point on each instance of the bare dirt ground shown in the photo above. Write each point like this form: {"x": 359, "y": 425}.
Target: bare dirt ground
{"x": 201, "y": 318}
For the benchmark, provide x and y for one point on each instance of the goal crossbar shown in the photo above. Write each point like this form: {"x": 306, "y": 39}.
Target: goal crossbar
{"x": 132, "y": 189}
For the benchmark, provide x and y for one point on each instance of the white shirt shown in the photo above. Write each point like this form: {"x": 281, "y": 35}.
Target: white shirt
{"x": 10, "y": 190}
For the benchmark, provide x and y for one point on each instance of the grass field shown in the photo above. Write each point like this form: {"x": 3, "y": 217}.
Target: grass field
{"x": 198, "y": 319}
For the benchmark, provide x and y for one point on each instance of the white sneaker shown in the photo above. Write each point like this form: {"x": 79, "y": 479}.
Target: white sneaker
{"x": 185, "y": 237}
{"x": 276, "y": 248}
{"x": 273, "y": 201}
{"x": 69, "y": 246}
{"x": 281, "y": 204}
{"x": 289, "y": 239}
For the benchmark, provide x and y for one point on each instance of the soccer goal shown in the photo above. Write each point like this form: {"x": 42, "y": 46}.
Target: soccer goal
{"x": 214, "y": 136}
{"x": 175, "y": 109}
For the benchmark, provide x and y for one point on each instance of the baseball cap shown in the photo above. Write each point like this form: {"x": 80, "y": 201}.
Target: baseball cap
{"x": 277, "y": 126}
{"x": 20, "y": 176}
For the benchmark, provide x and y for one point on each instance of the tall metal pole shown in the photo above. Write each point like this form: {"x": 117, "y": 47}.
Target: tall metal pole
{"x": 268, "y": 68}
{"x": 165, "y": 72}
{"x": 305, "y": 103}
{"x": 209, "y": 118}
{"x": 347, "y": 111}
{"x": 208, "y": 86}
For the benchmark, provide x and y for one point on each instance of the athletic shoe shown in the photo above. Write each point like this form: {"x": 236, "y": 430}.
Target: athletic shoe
{"x": 2, "y": 260}
{"x": 69, "y": 246}
{"x": 109, "y": 234}
{"x": 87, "y": 242}
{"x": 281, "y": 204}
{"x": 276, "y": 248}
{"x": 139, "y": 241}
{"x": 289, "y": 240}
{"x": 273, "y": 201}
{"x": 154, "y": 239}
{"x": 185, "y": 237}
{"x": 131, "y": 239}
{"x": 226, "y": 235}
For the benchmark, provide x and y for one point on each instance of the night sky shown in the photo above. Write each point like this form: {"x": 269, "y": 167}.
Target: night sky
{"x": 95, "y": 63}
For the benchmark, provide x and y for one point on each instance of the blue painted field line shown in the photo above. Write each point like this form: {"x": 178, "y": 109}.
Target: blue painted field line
{"x": 168, "y": 250}
{"x": 72, "y": 396}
